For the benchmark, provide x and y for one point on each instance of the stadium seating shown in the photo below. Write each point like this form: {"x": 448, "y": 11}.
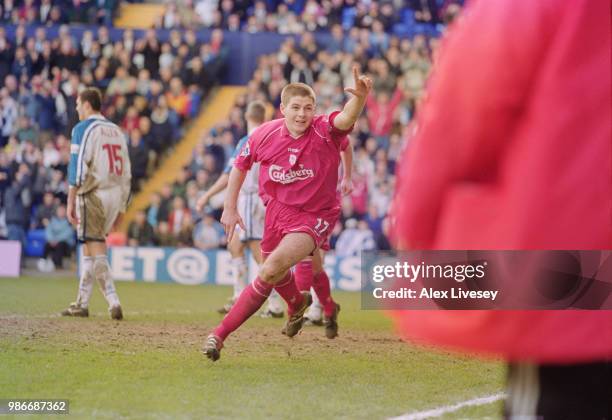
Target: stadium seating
{"x": 35, "y": 243}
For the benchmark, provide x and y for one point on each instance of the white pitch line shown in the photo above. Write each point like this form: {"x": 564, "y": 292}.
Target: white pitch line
{"x": 437, "y": 412}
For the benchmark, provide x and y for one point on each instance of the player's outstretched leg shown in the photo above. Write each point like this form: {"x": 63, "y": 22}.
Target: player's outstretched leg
{"x": 297, "y": 302}
{"x": 320, "y": 284}
{"x": 303, "y": 279}
{"x": 274, "y": 273}
{"x": 213, "y": 346}
{"x": 86, "y": 283}
{"x": 249, "y": 301}
{"x": 293, "y": 248}
{"x": 330, "y": 308}
{"x": 303, "y": 274}
{"x": 102, "y": 274}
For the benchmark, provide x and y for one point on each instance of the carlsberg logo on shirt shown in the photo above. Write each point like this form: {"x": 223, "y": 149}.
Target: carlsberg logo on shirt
{"x": 278, "y": 174}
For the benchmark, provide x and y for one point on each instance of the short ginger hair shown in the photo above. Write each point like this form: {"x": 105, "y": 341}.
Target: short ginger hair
{"x": 297, "y": 89}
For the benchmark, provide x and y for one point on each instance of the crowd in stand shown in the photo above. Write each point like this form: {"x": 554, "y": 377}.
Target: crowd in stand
{"x": 57, "y": 12}
{"x": 150, "y": 88}
{"x": 300, "y": 16}
{"x": 252, "y": 16}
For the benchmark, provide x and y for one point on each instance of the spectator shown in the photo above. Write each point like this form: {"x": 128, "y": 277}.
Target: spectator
{"x": 359, "y": 196}
{"x": 192, "y": 195}
{"x": 382, "y": 239}
{"x": 184, "y": 237}
{"x": 381, "y": 197}
{"x": 5, "y": 175}
{"x": 336, "y": 43}
{"x": 45, "y": 211}
{"x": 25, "y": 131}
{"x": 177, "y": 215}
{"x": 6, "y": 54}
{"x": 153, "y": 209}
{"x": 379, "y": 39}
{"x": 139, "y": 156}
{"x": 207, "y": 233}
{"x": 58, "y": 185}
{"x": 196, "y": 76}
{"x": 45, "y": 111}
{"x": 60, "y": 239}
{"x": 131, "y": 120}
{"x": 177, "y": 98}
{"x": 166, "y": 57}
{"x": 44, "y": 10}
{"x": 381, "y": 110}
{"x": 366, "y": 237}
{"x": 179, "y": 187}
{"x": 140, "y": 232}
{"x": 373, "y": 220}
{"x": 119, "y": 84}
{"x": 170, "y": 17}
{"x": 203, "y": 180}
{"x": 30, "y": 155}
{"x": 355, "y": 238}
{"x": 50, "y": 155}
{"x": 425, "y": 10}
{"x": 165, "y": 206}
{"x": 387, "y": 16}
{"x": 17, "y": 200}
{"x": 22, "y": 65}
{"x": 300, "y": 73}
{"x": 8, "y": 114}
{"x": 161, "y": 127}
{"x": 144, "y": 126}
{"x": 164, "y": 236}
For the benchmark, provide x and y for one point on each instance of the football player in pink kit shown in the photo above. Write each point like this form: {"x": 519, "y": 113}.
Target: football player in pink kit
{"x": 299, "y": 156}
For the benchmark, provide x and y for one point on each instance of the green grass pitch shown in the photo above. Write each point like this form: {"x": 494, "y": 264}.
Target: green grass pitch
{"x": 150, "y": 366}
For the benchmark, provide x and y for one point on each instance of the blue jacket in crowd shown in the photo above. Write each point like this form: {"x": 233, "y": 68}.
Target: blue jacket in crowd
{"x": 59, "y": 230}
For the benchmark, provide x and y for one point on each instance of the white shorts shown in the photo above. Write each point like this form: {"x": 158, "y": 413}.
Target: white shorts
{"x": 97, "y": 210}
{"x": 253, "y": 214}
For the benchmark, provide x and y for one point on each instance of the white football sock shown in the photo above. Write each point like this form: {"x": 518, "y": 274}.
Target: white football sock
{"x": 275, "y": 303}
{"x": 315, "y": 299}
{"x": 86, "y": 282}
{"x": 102, "y": 274}
{"x": 239, "y": 275}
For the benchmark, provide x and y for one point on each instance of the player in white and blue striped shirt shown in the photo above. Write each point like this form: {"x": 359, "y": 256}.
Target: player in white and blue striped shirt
{"x": 99, "y": 175}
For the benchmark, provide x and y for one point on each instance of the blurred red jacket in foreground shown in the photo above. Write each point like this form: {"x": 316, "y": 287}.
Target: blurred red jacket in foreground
{"x": 513, "y": 150}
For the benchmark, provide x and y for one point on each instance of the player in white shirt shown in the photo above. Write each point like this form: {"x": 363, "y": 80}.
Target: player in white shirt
{"x": 99, "y": 175}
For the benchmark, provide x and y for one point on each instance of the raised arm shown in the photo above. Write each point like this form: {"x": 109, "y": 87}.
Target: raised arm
{"x": 353, "y": 108}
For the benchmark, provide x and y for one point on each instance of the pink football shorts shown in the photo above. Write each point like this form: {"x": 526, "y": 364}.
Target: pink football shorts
{"x": 282, "y": 219}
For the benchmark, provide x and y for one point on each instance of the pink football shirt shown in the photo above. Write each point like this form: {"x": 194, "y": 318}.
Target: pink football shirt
{"x": 300, "y": 172}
